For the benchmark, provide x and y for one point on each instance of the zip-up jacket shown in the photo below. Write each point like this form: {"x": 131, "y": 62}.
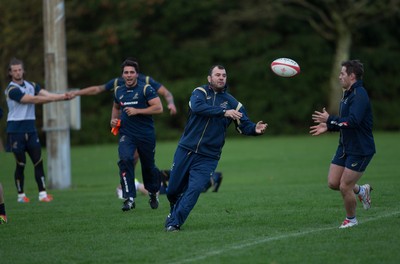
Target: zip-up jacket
{"x": 354, "y": 122}
{"x": 206, "y": 126}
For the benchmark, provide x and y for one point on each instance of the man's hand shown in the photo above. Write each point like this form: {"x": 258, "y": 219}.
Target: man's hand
{"x": 69, "y": 95}
{"x": 318, "y": 129}
{"x": 172, "y": 109}
{"x": 320, "y": 117}
{"x": 261, "y": 127}
{"x": 235, "y": 115}
{"x": 131, "y": 111}
{"x": 114, "y": 122}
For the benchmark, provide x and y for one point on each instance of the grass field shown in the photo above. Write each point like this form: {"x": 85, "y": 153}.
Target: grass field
{"x": 273, "y": 207}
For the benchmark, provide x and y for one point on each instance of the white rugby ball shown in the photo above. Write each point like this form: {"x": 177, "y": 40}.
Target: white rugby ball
{"x": 285, "y": 67}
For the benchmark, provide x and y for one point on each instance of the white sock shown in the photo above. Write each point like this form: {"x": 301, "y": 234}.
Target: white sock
{"x": 42, "y": 194}
{"x": 354, "y": 219}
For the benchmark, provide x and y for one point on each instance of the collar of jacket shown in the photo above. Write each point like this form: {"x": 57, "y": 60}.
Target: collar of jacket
{"x": 212, "y": 90}
{"x": 358, "y": 83}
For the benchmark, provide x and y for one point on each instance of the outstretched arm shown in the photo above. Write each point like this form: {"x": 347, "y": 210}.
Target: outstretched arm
{"x": 43, "y": 97}
{"x": 91, "y": 90}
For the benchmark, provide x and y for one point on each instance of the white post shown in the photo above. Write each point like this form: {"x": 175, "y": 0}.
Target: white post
{"x": 56, "y": 115}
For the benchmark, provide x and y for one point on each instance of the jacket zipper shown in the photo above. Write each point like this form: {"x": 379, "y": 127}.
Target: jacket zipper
{"x": 340, "y": 115}
{"x": 205, "y": 128}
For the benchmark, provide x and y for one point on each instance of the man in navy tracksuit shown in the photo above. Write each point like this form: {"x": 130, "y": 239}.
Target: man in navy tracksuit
{"x": 356, "y": 144}
{"x": 212, "y": 109}
{"x": 134, "y": 104}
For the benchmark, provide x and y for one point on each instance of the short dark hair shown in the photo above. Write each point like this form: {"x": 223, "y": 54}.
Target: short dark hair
{"x": 215, "y": 66}
{"x": 130, "y": 62}
{"x": 14, "y": 61}
{"x": 354, "y": 66}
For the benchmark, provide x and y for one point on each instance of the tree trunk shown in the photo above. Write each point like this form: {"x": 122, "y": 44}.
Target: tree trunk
{"x": 56, "y": 115}
{"x": 343, "y": 42}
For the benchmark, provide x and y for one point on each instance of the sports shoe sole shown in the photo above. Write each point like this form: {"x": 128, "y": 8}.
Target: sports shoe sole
{"x": 172, "y": 228}
{"x": 348, "y": 224}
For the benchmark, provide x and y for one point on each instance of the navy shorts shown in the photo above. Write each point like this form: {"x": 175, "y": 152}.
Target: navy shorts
{"x": 22, "y": 142}
{"x": 352, "y": 162}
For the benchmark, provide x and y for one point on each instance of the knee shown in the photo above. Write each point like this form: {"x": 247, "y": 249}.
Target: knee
{"x": 345, "y": 188}
{"x": 125, "y": 162}
{"x": 126, "y": 166}
{"x": 20, "y": 164}
{"x": 38, "y": 163}
{"x": 333, "y": 185}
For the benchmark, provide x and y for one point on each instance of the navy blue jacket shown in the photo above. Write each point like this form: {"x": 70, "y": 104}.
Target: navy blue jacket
{"x": 354, "y": 122}
{"x": 205, "y": 129}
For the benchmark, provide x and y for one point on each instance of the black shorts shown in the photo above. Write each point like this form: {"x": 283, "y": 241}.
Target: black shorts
{"x": 22, "y": 142}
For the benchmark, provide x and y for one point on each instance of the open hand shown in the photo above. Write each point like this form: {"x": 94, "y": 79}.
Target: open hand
{"x": 318, "y": 129}
{"x": 320, "y": 117}
{"x": 261, "y": 127}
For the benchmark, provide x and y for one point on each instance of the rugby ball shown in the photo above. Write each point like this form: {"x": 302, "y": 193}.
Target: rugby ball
{"x": 285, "y": 67}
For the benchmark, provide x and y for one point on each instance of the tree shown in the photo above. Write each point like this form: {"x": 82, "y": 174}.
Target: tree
{"x": 338, "y": 21}
{"x": 23, "y": 39}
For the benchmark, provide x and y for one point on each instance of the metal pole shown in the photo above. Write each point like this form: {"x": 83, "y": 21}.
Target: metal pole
{"x": 56, "y": 115}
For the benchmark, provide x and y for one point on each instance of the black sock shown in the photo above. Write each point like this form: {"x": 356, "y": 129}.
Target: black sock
{"x": 2, "y": 209}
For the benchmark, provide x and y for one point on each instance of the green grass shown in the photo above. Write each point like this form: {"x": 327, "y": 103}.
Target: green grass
{"x": 274, "y": 206}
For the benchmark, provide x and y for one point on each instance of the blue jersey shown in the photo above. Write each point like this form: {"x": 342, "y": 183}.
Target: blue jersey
{"x": 112, "y": 84}
{"x": 354, "y": 122}
{"x": 140, "y": 126}
{"x": 206, "y": 126}
{"x": 21, "y": 117}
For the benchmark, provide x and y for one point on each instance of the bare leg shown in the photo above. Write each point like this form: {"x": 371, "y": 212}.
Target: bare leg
{"x": 347, "y": 186}
{"x": 335, "y": 176}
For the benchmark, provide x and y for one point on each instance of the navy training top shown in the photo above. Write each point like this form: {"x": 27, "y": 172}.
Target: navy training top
{"x": 139, "y": 126}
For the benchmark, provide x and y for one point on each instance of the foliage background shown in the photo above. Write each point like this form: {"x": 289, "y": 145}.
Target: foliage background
{"x": 177, "y": 41}
{"x": 274, "y": 206}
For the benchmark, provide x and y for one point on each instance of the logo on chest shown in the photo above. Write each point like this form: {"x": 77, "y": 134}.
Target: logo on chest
{"x": 126, "y": 100}
{"x": 224, "y": 104}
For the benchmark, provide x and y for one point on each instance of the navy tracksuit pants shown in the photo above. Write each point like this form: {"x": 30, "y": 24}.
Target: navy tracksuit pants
{"x": 146, "y": 149}
{"x": 190, "y": 173}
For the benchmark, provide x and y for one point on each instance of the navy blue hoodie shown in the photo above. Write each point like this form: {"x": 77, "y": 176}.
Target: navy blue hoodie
{"x": 354, "y": 122}
{"x": 206, "y": 126}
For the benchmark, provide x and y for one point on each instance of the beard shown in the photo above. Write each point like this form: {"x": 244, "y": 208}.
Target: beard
{"x": 218, "y": 85}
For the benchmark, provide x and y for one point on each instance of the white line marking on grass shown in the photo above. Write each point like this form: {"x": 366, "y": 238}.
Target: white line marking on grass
{"x": 263, "y": 240}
